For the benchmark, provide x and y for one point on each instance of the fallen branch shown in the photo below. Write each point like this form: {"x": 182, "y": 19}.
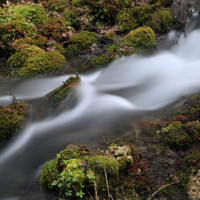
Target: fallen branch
{"x": 14, "y": 97}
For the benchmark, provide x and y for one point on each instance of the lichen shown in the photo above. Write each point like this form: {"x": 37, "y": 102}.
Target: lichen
{"x": 11, "y": 117}
{"x": 142, "y": 38}
{"x": 42, "y": 63}
{"x": 81, "y": 41}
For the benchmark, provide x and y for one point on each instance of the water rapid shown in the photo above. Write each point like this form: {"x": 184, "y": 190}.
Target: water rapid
{"x": 127, "y": 87}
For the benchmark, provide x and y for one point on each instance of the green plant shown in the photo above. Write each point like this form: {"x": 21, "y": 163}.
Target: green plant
{"x": 57, "y": 5}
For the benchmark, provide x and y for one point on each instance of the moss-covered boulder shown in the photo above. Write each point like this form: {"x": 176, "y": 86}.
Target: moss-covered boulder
{"x": 37, "y": 40}
{"x": 32, "y": 12}
{"x": 55, "y": 46}
{"x": 70, "y": 17}
{"x": 23, "y": 52}
{"x": 110, "y": 36}
{"x": 57, "y": 5}
{"x": 13, "y": 30}
{"x": 81, "y": 41}
{"x": 142, "y": 38}
{"x": 42, "y": 63}
{"x": 53, "y": 28}
{"x": 56, "y": 96}
{"x": 126, "y": 19}
{"x": 161, "y": 21}
{"x": 176, "y": 135}
{"x": 11, "y": 117}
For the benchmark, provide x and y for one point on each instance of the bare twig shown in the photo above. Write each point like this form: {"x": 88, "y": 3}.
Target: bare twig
{"x": 106, "y": 182}
{"x": 159, "y": 189}
{"x": 14, "y": 97}
{"x": 87, "y": 59}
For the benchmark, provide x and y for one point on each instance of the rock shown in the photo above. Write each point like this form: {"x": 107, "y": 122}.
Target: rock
{"x": 193, "y": 187}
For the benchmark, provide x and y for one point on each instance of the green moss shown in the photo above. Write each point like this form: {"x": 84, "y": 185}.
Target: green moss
{"x": 7, "y": 15}
{"x": 33, "y": 12}
{"x": 176, "y": 135}
{"x": 142, "y": 38}
{"x": 70, "y": 17}
{"x": 110, "y": 36}
{"x": 15, "y": 29}
{"x": 193, "y": 129}
{"x": 58, "y": 95}
{"x": 37, "y": 40}
{"x": 49, "y": 174}
{"x": 53, "y": 28}
{"x": 22, "y": 53}
{"x": 77, "y": 3}
{"x": 97, "y": 163}
{"x": 126, "y": 19}
{"x": 43, "y": 63}
{"x": 81, "y": 41}
{"x": 58, "y": 47}
{"x": 57, "y": 5}
{"x": 192, "y": 157}
{"x": 161, "y": 21}
{"x": 11, "y": 117}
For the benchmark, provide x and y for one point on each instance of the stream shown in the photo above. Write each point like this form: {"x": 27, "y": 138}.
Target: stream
{"x": 129, "y": 88}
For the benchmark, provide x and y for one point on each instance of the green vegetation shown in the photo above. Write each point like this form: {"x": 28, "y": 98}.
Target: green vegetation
{"x": 165, "y": 3}
{"x": 81, "y": 41}
{"x": 57, "y": 5}
{"x": 53, "y": 28}
{"x": 42, "y": 63}
{"x": 142, "y": 38}
{"x": 77, "y": 3}
{"x": 11, "y": 117}
{"x": 110, "y": 36}
{"x": 56, "y": 96}
{"x": 57, "y": 47}
{"x": 70, "y": 17}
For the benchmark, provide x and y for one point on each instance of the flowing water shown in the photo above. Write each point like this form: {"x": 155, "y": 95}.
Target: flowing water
{"x": 130, "y": 87}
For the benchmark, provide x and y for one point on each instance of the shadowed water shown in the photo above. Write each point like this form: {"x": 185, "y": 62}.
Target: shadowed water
{"x": 128, "y": 87}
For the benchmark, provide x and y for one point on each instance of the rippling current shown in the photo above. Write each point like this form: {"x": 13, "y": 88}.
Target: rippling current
{"x": 127, "y": 87}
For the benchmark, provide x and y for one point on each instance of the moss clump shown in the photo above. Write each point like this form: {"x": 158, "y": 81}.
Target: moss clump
{"x": 23, "y": 52}
{"x": 142, "y": 38}
{"x": 193, "y": 129}
{"x": 43, "y": 63}
{"x": 70, "y": 17}
{"x": 77, "y": 3}
{"x": 81, "y": 41}
{"x": 7, "y": 15}
{"x": 161, "y": 21}
{"x": 49, "y": 174}
{"x": 59, "y": 94}
{"x": 57, "y": 5}
{"x": 192, "y": 157}
{"x": 11, "y": 117}
{"x": 53, "y": 28}
{"x": 37, "y": 40}
{"x": 15, "y": 29}
{"x": 97, "y": 163}
{"x": 55, "y": 46}
{"x": 110, "y": 36}
{"x": 176, "y": 135}
{"x": 33, "y": 12}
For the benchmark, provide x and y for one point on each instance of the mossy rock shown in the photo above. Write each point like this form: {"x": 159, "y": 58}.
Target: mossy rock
{"x": 55, "y": 46}
{"x": 57, "y": 5}
{"x": 176, "y": 135}
{"x": 161, "y": 21}
{"x": 7, "y": 15}
{"x": 193, "y": 108}
{"x": 48, "y": 174}
{"x": 37, "y": 40}
{"x": 70, "y": 17}
{"x": 98, "y": 163}
{"x": 126, "y": 19}
{"x": 142, "y": 38}
{"x": 77, "y": 3}
{"x": 33, "y": 12}
{"x": 22, "y": 53}
{"x": 193, "y": 129}
{"x": 192, "y": 157}
{"x": 53, "y": 28}
{"x": 43, "y": 63}
{"x": 55, "y": 97}
{"x": 81, "y": 41}
{"x": 11, "y": 117}
{"x": 110, "y": 36}
{"x": 15, "y": 29}
{"x": 165, "y": 3}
